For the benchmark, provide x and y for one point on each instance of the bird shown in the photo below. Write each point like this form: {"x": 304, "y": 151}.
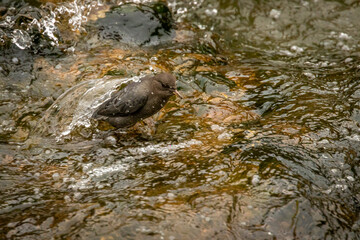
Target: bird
{"x": 137, "y": 101}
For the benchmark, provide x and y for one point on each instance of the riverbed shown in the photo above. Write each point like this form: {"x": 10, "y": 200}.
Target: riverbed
{"x": 264, "y": 144}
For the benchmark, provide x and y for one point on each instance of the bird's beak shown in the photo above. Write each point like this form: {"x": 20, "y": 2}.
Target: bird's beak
{"x": 177, "y": 94}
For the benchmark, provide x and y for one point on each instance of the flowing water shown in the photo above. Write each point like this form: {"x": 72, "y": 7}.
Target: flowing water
{"x": 265, "y": 143}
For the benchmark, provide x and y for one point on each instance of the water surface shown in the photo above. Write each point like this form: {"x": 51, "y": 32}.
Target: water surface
{"x": 264, "y": 144}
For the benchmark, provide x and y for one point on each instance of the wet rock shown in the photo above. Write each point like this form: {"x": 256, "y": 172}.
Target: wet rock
{"x": 47, "y": 223}
{"x": 25, "y": 228}
{"x": 137, "y": 24}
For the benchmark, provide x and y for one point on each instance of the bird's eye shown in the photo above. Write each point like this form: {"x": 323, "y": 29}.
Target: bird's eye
{"x": 164, "y": 85}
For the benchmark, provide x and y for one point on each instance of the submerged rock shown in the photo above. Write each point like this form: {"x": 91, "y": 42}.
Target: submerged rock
{"x": 137, "y": 24}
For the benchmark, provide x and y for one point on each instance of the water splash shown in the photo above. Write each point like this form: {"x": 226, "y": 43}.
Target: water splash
{"x": 21, "y": 39}
{"x": 163, "y": 148}
{"x": 78, "y": 12}
{"x": 46, "y": 21}
{"x": 93, "y": 175}
{"x": 73, "y": 109}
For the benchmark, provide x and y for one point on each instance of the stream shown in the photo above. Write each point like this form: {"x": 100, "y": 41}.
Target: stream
{"x": 264, "y": 144}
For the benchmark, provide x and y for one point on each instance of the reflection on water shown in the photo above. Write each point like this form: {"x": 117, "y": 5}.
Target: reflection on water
{"x": 264, "y": 145}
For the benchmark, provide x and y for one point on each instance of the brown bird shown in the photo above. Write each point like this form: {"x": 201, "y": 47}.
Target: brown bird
{"x": 137, "y": 101}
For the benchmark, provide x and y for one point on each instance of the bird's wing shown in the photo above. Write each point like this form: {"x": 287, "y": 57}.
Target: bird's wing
{"x": 123, "y": 104}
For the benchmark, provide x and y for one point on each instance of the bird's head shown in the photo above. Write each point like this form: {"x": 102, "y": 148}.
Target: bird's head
{"x": 167, "y": 83}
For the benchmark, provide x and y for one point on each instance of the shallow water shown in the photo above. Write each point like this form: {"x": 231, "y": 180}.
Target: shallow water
{"x": 265, "y": 143}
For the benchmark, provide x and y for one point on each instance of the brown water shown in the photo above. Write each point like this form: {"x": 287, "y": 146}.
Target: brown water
{"x": 265, "y": 143}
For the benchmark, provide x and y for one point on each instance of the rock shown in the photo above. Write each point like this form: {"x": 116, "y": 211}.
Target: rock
{"x": 137, "y": 24}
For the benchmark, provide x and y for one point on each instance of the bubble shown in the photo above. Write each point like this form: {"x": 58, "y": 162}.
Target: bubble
{"x": 8, "y": 20}
{"x": 341, "y": 186}
{"x": 224, "y": 136}
{"x": 216, "y": 128}
{"x": 309, "y": 75}
{"x": 255, "y": 180}
{"x": 56, "y": 176}
{"x": 344, "y": 36}
{"x": 286, "y": 53}
{"x": 296, "y": 49}
{"x": 70, "y": 50}
{"x": 36, "y": 191}
{"x": 77, "y": 196}
{"x": 67, "y": 198}
{"x": 110, "y": 140}
{"x": 171, "y": 195}
{"x": 345, "y": 48}
{"x": 328, "y": 191}
{"x": 350, "y": 178}
{"x": 15, "y": 60}
{"x": 211, "y": 12}
{"x": 275, "y": 14}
